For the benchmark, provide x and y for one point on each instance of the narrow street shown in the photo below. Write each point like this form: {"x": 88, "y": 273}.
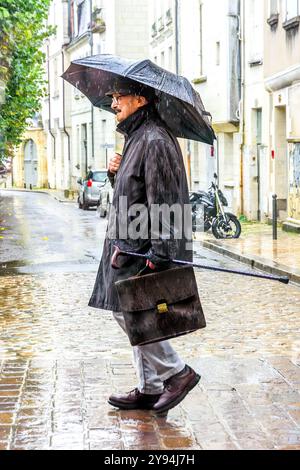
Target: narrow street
{"x": 60, "y": 359}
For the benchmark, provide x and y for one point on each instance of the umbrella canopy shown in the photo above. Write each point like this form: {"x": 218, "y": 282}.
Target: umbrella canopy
{"x": 177, "y": 102}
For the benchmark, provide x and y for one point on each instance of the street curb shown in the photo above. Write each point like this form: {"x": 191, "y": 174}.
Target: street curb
{"x": 54, "y": 196}
{"x": 254, "y": 262}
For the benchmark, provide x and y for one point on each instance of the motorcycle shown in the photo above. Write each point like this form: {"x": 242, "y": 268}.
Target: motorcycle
{"x": 208, "y": 207}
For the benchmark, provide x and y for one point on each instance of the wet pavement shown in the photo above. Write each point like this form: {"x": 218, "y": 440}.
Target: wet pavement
{"x": 60, "y": 359}
{"x": 256, "y": 246}
{"x": 35, "y": 229}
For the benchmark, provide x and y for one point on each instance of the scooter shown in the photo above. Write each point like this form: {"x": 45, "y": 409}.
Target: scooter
{"x": 208, "y": 213}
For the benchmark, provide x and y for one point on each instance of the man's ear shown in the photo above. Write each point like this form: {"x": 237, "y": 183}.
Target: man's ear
{"x": 142, "y": 101}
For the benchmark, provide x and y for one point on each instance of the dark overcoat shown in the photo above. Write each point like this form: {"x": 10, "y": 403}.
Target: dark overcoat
{"x": 151, "y": 172}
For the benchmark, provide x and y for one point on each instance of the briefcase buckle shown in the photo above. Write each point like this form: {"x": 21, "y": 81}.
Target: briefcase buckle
{"x": 162, "y": 308}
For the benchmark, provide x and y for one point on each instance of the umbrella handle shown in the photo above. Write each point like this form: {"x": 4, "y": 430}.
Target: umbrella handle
{"x": 115, "y": 256}
{"x": 118, "y": 252}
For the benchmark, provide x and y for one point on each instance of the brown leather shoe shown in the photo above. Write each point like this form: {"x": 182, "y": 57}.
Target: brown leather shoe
{"x": 134, "y": 400}
{"x": 176, "y": 388}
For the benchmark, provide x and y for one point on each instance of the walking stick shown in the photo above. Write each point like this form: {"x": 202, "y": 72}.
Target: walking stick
{"x": 118, "y": 252}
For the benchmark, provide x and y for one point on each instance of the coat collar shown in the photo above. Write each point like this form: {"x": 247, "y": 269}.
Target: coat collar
{"x": 135, "y": 120}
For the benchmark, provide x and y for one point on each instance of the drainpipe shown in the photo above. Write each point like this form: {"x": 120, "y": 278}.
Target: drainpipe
{"x": 242, "y": 107}
{"x": 177, "y": 36}
{"x": 49, "y": 112}
{"x": 64, "y": 115}
{"x": 91, "y": 41}
{"x": 201, "y": 35}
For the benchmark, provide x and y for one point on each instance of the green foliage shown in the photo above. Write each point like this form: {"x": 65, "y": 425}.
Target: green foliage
{"x": 22, "y": 32}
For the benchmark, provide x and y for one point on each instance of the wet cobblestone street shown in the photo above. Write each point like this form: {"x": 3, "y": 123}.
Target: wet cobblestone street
{"x": 60, "y": 360}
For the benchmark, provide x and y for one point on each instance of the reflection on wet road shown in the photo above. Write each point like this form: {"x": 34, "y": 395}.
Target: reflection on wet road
{"x": 39, "y": 229}
{"x": 60, "y": 360}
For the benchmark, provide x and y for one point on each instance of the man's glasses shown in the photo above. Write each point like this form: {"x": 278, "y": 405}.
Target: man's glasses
{"x": 116, "y": 99}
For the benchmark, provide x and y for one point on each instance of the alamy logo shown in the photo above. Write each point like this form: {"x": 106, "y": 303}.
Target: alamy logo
{"x": 155, "y": 222}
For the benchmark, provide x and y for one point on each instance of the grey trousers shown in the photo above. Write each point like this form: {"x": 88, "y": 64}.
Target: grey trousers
{"x": 154, "y": 363}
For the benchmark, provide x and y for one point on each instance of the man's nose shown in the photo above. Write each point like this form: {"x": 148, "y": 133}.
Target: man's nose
{"x": 114, "y": 104}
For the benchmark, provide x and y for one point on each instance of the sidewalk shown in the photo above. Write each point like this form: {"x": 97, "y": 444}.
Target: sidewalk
{"x": 257, "y": 248}
{"x": 56, "y": 194}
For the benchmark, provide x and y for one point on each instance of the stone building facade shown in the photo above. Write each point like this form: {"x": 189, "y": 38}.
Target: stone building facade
{"x": 244, "y": 61}
{"x": 282, "y": 81}
{"x": 78, "y": 136}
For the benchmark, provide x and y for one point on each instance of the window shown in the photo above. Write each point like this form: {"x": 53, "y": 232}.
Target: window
{"x": 73, "y": 20}
{"x": 291, "y": 8}
{"x": 162, "y": 59}
{"x": 201, "y": 38}
{"x": 273, "y": 7}
{"x": 55, "y": 79}
{"x": 77, "y": 147}
{"x": 154, "y": 30}
{"x": 83, "y": 16}
{"x": 218, "y": 53}
{"x": 84, "y": 147}
{"x": 169, "y": 18}
{"x": 273, "y": 17}
{"x": 170, "y": 58}
{"x": 256, "y": 8}
{"x": 79, "y": 17}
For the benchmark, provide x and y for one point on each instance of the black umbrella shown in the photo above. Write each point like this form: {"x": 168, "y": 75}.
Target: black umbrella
{"x": 177, "y": 102}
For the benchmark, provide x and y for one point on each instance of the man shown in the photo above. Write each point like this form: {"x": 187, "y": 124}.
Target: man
{"x": 151, "y": 171}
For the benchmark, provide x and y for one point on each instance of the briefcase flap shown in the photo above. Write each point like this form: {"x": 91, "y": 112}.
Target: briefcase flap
{"x": 146, "y": 292}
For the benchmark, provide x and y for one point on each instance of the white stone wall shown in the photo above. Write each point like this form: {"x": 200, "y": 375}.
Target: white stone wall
{"x": 132, "y": 28}
{"x": 256, "y": 98}
{"x": 204, "y": 58}
{"x": 205, "y": 54}
{"x": 214, "y": 90}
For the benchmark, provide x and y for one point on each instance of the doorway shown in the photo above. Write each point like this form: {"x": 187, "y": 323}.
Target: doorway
{"x": 281, "y": 159}
{"x": 30, "y": 164}
{"x": 259, "y": 157}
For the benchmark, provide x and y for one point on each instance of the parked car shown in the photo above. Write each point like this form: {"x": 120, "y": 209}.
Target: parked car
{"x": 105, "y": 199}
{"x": 5, "y": 166}
{"x": 90, "y": 188}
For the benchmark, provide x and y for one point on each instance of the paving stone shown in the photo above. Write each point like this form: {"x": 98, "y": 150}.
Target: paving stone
{"x": 60, "y": 361}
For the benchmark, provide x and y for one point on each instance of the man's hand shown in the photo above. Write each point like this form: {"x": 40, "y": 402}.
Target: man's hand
{"x": 114, "y": 164}
{"x": 150, "y": 265}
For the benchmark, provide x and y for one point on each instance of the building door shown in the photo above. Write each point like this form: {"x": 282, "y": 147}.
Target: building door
{"x": 294, "y": 190}
{"x": 30, "y": 164}
{"x": 259, "y": 159}
{"x": 281, "y": 159}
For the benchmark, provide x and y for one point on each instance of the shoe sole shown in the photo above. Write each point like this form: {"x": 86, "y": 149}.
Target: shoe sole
{"x": 176, "y": 402}
{"x": 129, "y": 407}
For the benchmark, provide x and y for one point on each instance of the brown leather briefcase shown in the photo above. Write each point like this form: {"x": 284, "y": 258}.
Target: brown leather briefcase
{"x": 161, "y": 305}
